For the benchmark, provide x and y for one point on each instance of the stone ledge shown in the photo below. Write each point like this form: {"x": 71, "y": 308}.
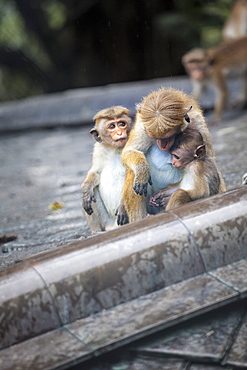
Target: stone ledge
{"x": 120, "y": 325}
{"x": 127, "y": 266}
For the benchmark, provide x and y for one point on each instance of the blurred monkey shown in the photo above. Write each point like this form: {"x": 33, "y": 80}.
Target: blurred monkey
{"x": 213, "y": 65}
{"x": 236, "y": 24}
{"x": 102, "y": 188}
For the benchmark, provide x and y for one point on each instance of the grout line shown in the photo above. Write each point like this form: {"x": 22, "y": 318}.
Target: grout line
{"x": 191, "y": 237}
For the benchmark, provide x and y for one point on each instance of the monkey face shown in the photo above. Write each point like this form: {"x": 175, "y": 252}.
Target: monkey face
{"x": 198, "y": 71}
{"x": 117, "y": 132}
{"x": 181, "y": 157}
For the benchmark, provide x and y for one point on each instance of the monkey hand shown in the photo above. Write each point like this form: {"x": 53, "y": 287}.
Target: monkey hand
{"x": 88, "y": 197}
{"x": 162, "y": 196}
{"x": 122, "y": 216}
{"x": 142, "y": 179}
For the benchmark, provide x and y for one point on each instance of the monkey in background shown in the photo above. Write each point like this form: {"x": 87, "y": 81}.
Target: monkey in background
{"x": 236, "y": 24}
{"x": 162, "y": 115}
{"x": 201, "y": 177}
{"x": 103, "y": 185}
{"x": 213, "y": 65}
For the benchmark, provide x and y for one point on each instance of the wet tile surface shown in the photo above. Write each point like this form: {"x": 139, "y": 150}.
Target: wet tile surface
{"x": 238, "y": 352}
{"x": 141, "y": 363}
{"x": 121, "y": 267}
{"x": 206, "y": 367}
{"x": 30, "y": 183}
{"x": 205, "y": 338}
{"x": 219, "y": 227}
{"x": 151, "y": 312}
{"x": 234, "y": 275}
{"x": 47, "y": 351}
{"x": 27, "y": 308}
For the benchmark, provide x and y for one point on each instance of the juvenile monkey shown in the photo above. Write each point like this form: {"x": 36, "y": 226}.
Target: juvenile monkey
{"x": 102, "y": 188}
{"x": 162, "y": 115}
{"x": 201, "y": 177}
{"x": 236, "y": 24}
{"x": 213, "y": 65}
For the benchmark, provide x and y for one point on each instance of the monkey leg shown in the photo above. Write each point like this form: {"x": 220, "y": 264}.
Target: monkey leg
{"x": 135, "y": 205}
{"x": 221, "y": 95}
{"x": 99, "y": 220}
{"x": 93, "y": 222}
{"x": 178, "y": 198}
{"x": 241, "y": 99}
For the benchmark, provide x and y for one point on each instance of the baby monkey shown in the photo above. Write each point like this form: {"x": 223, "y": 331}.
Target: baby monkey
{"x": 201, "y": 176}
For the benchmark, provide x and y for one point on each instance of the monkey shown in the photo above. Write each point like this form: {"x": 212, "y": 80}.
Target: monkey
{"x": 213, "y": 65}
{"x": 201, "y": 176}
{"x": 236, "y": 24}
{"x": 161, "y": 116}
{"x": 102, "y": 187}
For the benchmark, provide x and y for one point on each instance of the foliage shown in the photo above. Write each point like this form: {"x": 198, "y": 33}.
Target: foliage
{"x": 53, "y": 45}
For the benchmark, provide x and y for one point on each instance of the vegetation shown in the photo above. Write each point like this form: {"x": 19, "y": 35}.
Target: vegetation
{"x": 54, "y": 45}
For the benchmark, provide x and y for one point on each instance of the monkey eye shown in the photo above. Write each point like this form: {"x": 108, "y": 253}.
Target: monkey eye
{"x": 122, "y": 124}
{"x": 176, "y": 156}
{"x": 111, "y": 126}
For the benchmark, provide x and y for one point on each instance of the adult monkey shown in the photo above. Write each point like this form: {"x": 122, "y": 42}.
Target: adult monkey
{"x": 162, "y": 115}
{"x": 102, "y": 188}
{"x": 212, "y": 66}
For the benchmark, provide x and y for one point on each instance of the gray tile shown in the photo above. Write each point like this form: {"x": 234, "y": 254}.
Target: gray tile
{"x": 141, "y": 363}
{"x": 219, "y": 227}
{"x": 205, "y": 338}
{"x": 238, "y": 352}
{"x": 27, "y": 308}
{"x": 234, "y": 275}
{"x": 46, "y": 351}
{"x": 157, "y": 310}
{"x": 206, "y": 367}
{"x": 113, "y": 268}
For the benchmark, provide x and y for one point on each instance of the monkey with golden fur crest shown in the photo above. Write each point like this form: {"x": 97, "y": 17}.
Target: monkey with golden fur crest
{"x": 201, "y": 177}
{"x": 162, "y": 115}
{"x": 236, "y": 24}
{"x": 103, "y": 185}
{"x": 212, "y": 66}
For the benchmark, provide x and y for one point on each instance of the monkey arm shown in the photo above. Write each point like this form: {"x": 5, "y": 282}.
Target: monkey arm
{"x": 87, "y": 187}
{"x": 163, "y": 195}
{"x": 136, "y": 161}
{"x": 178, "y": 198}
{"x": 133, "y": 157}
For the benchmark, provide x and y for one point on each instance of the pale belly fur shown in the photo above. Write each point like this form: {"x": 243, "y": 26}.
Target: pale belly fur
{"x": 111, "y": 183}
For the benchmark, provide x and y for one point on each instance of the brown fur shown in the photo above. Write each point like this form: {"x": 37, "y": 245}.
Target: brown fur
{"x": 160, "y": 111}
{"x": 236, "y": 23}
{"x": 103, "y": 185}
{"x": 214, "y": 64}
{"x": 202, "y": 169}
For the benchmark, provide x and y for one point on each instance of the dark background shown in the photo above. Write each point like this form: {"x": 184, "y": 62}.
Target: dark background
{"x": 54, "y": 45}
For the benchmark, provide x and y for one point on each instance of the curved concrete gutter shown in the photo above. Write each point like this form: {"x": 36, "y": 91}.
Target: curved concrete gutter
{"x": 56, "y": 288}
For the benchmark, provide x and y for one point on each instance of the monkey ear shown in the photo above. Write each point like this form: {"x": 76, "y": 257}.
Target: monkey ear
{"x": 186, "y": 116}
{"x": 95, "y": 135}
{"x": 200, "y": 152}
